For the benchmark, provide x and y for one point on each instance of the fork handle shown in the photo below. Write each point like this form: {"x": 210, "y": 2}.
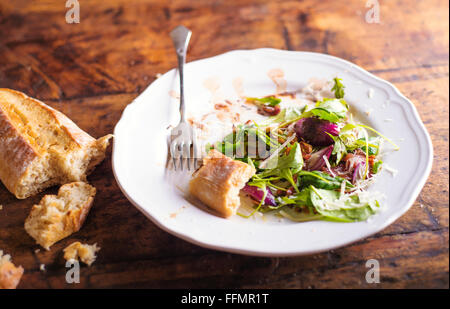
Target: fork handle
{"x": 180, "y": 37}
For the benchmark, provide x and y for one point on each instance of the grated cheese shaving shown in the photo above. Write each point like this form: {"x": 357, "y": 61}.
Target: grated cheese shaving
{"x": 391, "y": 170}
{"x": 327, "y": 163}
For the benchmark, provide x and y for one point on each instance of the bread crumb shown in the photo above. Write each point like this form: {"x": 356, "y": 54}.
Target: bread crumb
{"x": 86, "y": 253}
{"x": 37, "y": 250}
{"x": 370, "y": 110}
{"x": 370, "y": 93}
{"x": 9, "y": 274}
{"x": 42, "y": 267}
{"x": 1, "y": 206}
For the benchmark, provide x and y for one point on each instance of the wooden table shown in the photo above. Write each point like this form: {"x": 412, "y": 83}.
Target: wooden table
{"x": 92, "y": 70}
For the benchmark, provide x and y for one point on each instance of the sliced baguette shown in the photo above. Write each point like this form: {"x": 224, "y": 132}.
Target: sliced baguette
{"x": 218, "y": 182}
{"x": 58, "y": 216}
{"x": 40, "y": 147}
{"x": 9, "y": 274}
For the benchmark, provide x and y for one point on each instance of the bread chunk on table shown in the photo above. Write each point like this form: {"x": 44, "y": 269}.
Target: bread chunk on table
{"x": 58, "y": 216}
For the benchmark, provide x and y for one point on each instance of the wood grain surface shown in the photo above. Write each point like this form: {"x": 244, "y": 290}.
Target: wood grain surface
{"x": 92, "y": 70}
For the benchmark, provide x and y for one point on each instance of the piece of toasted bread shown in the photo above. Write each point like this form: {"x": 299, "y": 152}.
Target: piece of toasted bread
{"x": 9, "y": 274}
{"x": 218, "y": 182}
{"x": 58, "y": 216}
{"x": 40, "y": 147}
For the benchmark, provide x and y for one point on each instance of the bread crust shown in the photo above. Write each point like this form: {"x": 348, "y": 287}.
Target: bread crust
{"x": 218, "y": 182}
{"x": 18, "y": 153}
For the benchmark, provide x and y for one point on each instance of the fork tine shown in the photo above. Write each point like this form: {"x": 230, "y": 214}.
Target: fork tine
{"x": 190, "y": 152}
{"x": 180, "y": 151}
{"x": 174, "y": 163}
{"x": 172, "y": 154}
{"x": 188, "y": 161}
{"x": 194, "y": 154}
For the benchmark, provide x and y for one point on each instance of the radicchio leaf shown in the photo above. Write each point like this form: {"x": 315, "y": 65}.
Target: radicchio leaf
{"x": 314, "y": 131}
{"x": 257, "y": 193}
{"x": 316, "y": 161}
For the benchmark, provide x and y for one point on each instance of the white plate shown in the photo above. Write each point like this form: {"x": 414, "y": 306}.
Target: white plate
{"x": 140, "y": 152}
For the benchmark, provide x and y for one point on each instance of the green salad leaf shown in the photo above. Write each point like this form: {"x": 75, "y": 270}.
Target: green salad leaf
{"x": 338, "y": 88}
{"x": 293, "y": 160}
{"x": 350, "y": 126}
{"x": 271, "y": 101}
{"x": 321, "y": 180}
{"x": 353, "y": 210}
{"x": 287, "y": 115}
{"x": 245, "y": 141}
{"x": 374, "y": 145}
{"x": 285, "y": 166}
{"x": 294, "y": 214}
{"x": 333, "y": 110}
{"x": 339, "y": 149}
{"x": 376, "y": 166}
{"x": 301, "y": 198}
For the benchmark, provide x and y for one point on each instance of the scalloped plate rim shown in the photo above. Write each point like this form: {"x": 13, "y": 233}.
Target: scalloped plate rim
{"x": 398, "y": 213}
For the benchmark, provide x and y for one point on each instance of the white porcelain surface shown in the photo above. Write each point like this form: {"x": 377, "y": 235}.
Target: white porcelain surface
{"x": 140, "y": 152}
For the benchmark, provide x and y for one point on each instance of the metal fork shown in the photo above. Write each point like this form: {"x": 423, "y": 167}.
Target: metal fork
{"x": 183, "y": 135}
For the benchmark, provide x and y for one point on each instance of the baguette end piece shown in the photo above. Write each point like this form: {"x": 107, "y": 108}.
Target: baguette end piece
{"x": 40, "y": 147}
{"x": 218, "y": 182}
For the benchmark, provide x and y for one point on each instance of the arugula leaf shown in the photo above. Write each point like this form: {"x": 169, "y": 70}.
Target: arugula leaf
{"x": 332, "y": 110}
{"x": 245, "y": 141}
{"x": 325, "y": 115}
{"x": 271, "y": 101}
{"x": 233, "y": 144}
{"x": 339, "y": 149}
{"x": 287, "y": 174}
{"x": 376, "y": 166}
{"x": 336, "y": 106}
{"x": 353, "y": 210}
{"x": 321, "y": 180}
{"x": 293, "y": 160}
{"x": 301, "y": 198}
{"x": 338, "y": 88}
{"x": 285, "y": 166}
{"x": 374, "y": 145}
